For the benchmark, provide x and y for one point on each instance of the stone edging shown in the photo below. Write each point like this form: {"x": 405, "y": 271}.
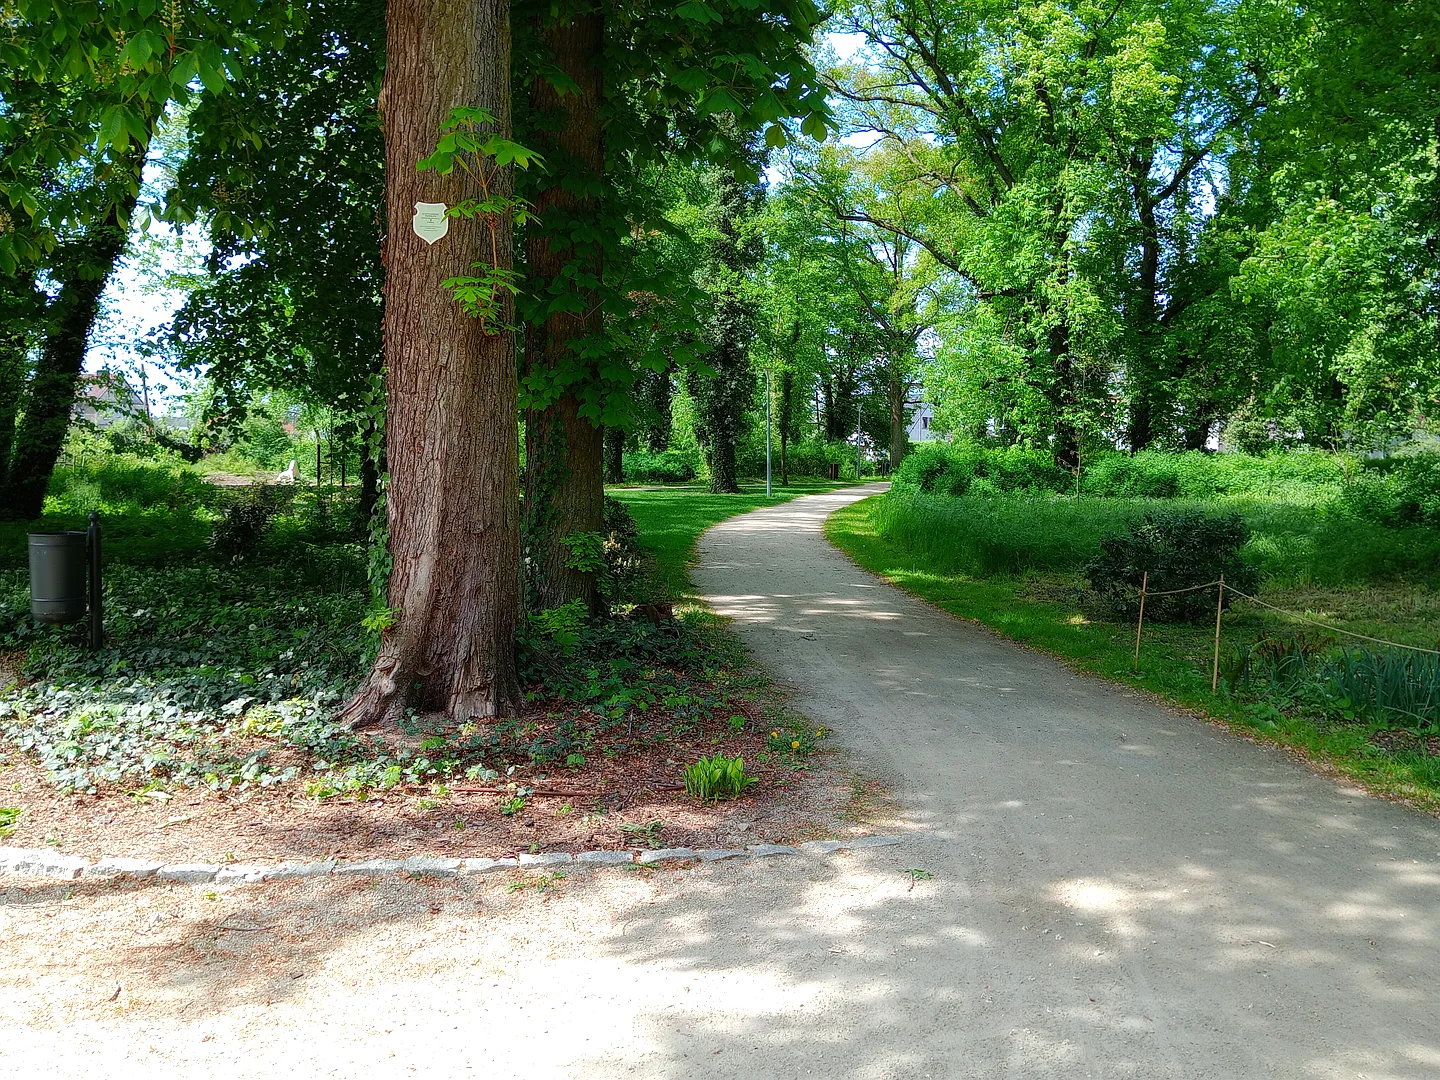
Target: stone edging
{"x": 44, "y": 863}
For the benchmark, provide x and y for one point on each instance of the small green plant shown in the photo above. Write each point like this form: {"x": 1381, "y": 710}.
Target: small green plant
{"x": 512, "y": 806}
{"x": 737, "y": 724}
{"x": 649, "y": 832}
{"x": 916, "y": 874}
{"x": 562, "y": 624}
{"x": 9, "y": 818}
{"x": 576, "y": 760}
{"x": 714, "y": 778}
{"x": 538, "y": 882}
{"x": 794, "y": 739}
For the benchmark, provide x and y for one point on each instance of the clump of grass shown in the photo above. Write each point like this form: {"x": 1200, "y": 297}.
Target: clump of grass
{"x": 1347, "y": 683}
{"x": 714, "y": 778}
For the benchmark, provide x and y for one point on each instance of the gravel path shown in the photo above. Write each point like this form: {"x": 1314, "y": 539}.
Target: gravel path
{"x": 1114, "y": 890}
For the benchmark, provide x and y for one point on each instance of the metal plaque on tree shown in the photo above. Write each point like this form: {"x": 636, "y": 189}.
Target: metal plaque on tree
{"x": 430, "y": 222}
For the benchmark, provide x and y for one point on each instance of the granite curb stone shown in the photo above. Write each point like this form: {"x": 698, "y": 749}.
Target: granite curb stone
{"x": 547, "y": 858}
{"x": 481, "y": 866}
{"x": 284, "y": 870}
{"x": 606, "y": 858}
{"x": 42, "y": 862}
{"x": 425, "y": 864}
{"x": 371, "y": 866}
{"x": 109, "y": 868}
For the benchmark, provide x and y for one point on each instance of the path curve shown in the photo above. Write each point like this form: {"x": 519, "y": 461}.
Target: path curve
{"x": 1119, "y": 890}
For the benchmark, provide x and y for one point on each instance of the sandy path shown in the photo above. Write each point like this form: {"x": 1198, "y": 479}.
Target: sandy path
{"x": 1117, "y": 891}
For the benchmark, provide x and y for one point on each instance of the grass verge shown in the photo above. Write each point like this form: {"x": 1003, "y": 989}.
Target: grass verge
{"x": 671, "y": 521}
{"x": 1047, "y": 611}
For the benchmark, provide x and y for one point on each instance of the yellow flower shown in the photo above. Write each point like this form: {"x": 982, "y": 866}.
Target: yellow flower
{"x": 795, "y": 745}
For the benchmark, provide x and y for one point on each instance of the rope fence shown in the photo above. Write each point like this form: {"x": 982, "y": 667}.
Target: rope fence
{"x": 1145, "y": 593}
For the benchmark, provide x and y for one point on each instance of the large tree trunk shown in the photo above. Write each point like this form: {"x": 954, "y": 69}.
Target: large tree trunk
{"x": 898, "y": 392}
{"x": 1146, "y": 373}
{"x": 50, "y": 394}
{"x": 21, "y": 308}
{"x": 1065, "y": 439}
{"x": 614, "y": 455}
{"x": 564, "y": 492}
{"x": 452, "y": 444}
{"x": 657, "y": 435}
{"x": 787, "y": 405}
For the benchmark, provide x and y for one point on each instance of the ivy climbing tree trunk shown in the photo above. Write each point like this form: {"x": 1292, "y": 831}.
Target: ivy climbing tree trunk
{"x": 564, "y": 492}
{"x": 614, "y": 455}
{"x": 50, "y": 394}
{"x": 452, "y": 444}
{"x": 897, "y": 390}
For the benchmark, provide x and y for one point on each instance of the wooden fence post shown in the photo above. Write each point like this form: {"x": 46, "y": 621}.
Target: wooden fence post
{"x": 1140, "y": 622}
{"x": 1219, "y": 607}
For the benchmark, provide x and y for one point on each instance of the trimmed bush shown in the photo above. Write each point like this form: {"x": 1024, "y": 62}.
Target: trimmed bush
{"x": 1178, "y": 549}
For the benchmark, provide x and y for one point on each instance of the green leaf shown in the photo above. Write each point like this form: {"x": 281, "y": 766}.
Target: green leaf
{"x": 775, "y": 137}
{"x": 698, "y": 11}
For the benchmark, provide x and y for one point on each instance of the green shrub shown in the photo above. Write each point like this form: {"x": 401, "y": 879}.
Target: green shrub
{"x": 1398, "y": 491}
{"x": 266, "y": 442}
{"x": 938, "y": 468}
{"x": 665, "y": 467}
{"x": 622, "y": 580}
{"x": 245, "y": 518}
{"x": 125, "y": 484}
{"x": 1177, "y": 549}
{"x": 714, "y": 778}
{"x": 1304, "y": 476}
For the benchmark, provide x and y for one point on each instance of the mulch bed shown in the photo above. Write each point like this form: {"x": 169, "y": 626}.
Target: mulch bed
{"x": 571, "y": 809}
{"x": 1407, "y": 742}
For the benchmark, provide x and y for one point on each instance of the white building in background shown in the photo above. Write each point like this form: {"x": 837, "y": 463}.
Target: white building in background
{"x": 921, "y": 421}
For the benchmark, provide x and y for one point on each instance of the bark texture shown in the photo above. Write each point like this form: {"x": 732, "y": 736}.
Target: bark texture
{"x": 898, "y": 390}
{"x": 50, "y": 394}
{"x": 452, "y": 444}
{"x": 564, "y": 490}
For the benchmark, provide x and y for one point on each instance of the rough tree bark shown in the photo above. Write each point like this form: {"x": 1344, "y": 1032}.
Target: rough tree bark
{"x": 787, "y": 405}
{"x": 1143, "y": 379}
{"x": 452, "y": 444}
{"x": 564, "y": 491}
{"x": 899, "y": 390}
{"x": 614, "y": 455}
{"x": 50, "y": 394}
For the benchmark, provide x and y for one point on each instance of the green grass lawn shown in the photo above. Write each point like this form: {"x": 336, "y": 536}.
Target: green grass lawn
{"x": 671, "y": 520}
{"x": 1051, "y": 611}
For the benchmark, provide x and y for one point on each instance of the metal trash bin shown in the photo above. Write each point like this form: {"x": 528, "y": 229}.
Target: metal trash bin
{"x": 57, "y": 576}
{"x": 59, "y": 592}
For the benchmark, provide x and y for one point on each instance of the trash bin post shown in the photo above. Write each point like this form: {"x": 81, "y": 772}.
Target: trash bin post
{"x": 97, "y": 621}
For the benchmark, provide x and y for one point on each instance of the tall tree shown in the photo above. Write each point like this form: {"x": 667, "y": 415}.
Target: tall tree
{"x": 724, "y": 393}
{"x": 452, "y": 398}
{"x": 564, "y": 493}
{"x": 83, "y": 88}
